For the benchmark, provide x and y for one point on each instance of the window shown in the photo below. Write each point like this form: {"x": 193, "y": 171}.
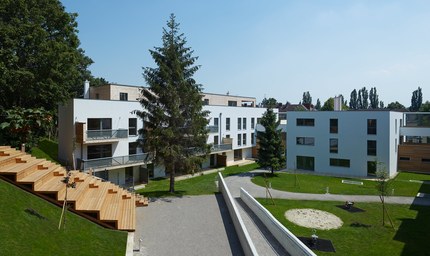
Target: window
{"x": 132, "y": 148}
{"x": 371, "y": 126}
{"x": 99, "y": 124}
{"x": 305, "y": 122}
{"x": 99, "y": 151}
{"x": 132, "y": 126}
{"x": 239, "y": 139}
{"x": 216, "y": 121}
{"x": 206, "y": 102}
{"x": 395, "y": 126}
{"x": 232, "y": 103}
{"x": 333, "y": 126}
{"x": 305, "y": 162}
{"x": 123, "y": 96}
{"x": 371, "y": 168}
{"x": 227, "y": 123}
{"x": 239, "y": 123}
{"x": 308, "y": 141}
{"x": 333, "y": 145}
{"x": 244, "y": 123}
{"x": 395, "y": 145}
{"x": 97, "y": 96}
{"x": 371, "y": 147}
{"x": 216, "y": 139}
{"x": 244, "y": 139}
{"x": 258, "y": 120}
{"x": 252, "y": 138}
{"x": 339, "y": 162}
{"x": 252, "y": 122}
{"x": 228, "y": 136}
{"x": 425, "y": 160}
{"x": 402, "y": 158}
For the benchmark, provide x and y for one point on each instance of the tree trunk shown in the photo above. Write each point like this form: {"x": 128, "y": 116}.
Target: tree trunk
{"x": 172, "y": 178}
{"x": 383, "y": 212}
{"x": 271, "y": 169}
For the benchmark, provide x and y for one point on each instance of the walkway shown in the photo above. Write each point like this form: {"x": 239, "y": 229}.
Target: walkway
{"x": 244, "y": 180}
{"x": 190, "y": 225}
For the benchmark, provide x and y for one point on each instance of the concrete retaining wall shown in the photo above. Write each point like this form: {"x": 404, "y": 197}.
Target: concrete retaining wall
{"x": 287, "y": 239}
{"x": 244, "y": 238}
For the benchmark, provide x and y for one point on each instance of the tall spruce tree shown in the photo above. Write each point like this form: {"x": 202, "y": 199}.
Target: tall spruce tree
{"x": 271, "y": 152}
{"x": 353, "y": 100}
{"x": 174, "y": 120}
{"x": 416, "y": 100}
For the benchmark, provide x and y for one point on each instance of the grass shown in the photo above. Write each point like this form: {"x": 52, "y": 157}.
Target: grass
{"x": 47, "y": 149}
{"x": 308, "y": 183}
{"x": 23, "y": 233}
{"x": 409, "y": 238}
{"x": 198, "y": 185}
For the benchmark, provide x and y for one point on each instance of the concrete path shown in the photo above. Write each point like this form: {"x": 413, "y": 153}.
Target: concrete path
{"x": 244, "y": 180}
{"x": 190, "y": 225}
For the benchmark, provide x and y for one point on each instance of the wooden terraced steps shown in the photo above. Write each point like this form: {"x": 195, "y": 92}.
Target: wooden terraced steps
{"x": 98, "y": 200}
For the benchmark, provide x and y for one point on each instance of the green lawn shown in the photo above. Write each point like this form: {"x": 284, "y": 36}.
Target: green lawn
{"x": 23, "y": 233}
{"x": 47, "y": 149}
{"x": 307, "y": 183}
{"x": 198, "y": 185}
{"x": 409, "y": 238}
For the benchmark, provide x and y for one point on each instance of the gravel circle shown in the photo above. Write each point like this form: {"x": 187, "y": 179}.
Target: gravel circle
{"x": 312, "y": 218}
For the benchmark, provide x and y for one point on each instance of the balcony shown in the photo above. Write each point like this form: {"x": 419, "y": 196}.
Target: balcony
{"x": 221, "y": 147}
{"x": 212, "y": 128}
{"x": 84, "y": 136}
{"x": 118, "y": 161}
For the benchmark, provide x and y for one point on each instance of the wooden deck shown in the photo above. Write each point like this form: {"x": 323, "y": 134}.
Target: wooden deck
{"x": 113, "y": 206}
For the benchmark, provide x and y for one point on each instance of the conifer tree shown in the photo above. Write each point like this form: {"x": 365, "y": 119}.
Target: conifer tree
{"x": 174, "y": 120}
{"x": 271, "y": 152}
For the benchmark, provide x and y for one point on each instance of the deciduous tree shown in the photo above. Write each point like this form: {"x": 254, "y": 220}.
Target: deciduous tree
{"x": 353, "y": 104}
{"x": 416, "y": 100}
{"x": 307, "y": 99}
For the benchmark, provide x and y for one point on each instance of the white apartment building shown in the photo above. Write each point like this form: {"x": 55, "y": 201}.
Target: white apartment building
{"x": 344, "y": 143}
{"x": 98, "y": 133}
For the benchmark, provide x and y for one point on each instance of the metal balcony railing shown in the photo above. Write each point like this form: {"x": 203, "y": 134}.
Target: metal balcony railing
{"x": 213, "y": 128}
{"x": 106, "y": 134}
{"x": 86, "y": 164}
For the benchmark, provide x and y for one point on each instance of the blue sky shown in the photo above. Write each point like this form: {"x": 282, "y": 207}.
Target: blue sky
{"x": 269, "y": 48}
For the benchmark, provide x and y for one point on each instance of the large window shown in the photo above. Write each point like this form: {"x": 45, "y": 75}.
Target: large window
{"x": 371, "y": 168}
{"x": 244, "y": 139}
{"x": 239, "y": 123}
{"x": 216, "y": 121}
{"x": 132, "y": 148}
{"x": 371, "y": 147}
{"x": 371, "y": 126}
{"x": 333, "y": 126}
{"x": 227, "y": 123}
{"x": 305, "y": 163}
{"x": 99, "y": 151}
{"x": 305, "y": 122}
{"x": 333, "y": 145}
{"x": 308, "y": 141}
{"x": 239, "y": 139}
{"x": 244, "y": 123}
{"x": 232, "y": 103}
{"x": 216, "y": 139}
{"x": 132, "y": 126}
{"x": 339, "y": 162}
{"x": 252, "y": 122}
{"x": 99, "y": 124}
{"x": 123, "y": 96}
{"x": 252, "y": 138}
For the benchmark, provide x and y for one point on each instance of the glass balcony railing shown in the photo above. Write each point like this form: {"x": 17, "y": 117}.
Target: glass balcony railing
{"x": 213, "y": 128}
{"x": 106, "y": 134}
{"x": 115, "y": 161}
{"x": 221, "y": 147}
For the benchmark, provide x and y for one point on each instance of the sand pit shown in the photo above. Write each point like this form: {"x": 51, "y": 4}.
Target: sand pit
{"x": 312, "y": 218}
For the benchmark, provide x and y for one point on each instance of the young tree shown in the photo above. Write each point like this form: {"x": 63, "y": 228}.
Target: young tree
{"x": 416, "y": 100}
{"x": 174, "y": 120}
{"x": 373, "y": 97}
{"x": 353, "y": 101}
{"x": 307, "y": 99}
{"x": 41, "y": 63}
{"x": 271, "y": 152}
{"x": 318, "y": 105}
{"x": 383, "y": 186}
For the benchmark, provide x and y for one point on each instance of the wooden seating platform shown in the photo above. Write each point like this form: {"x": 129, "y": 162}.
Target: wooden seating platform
{"x": 114, "y": 206}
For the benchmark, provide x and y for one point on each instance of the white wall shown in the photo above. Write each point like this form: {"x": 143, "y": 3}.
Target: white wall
{"x": 352, "y": 140}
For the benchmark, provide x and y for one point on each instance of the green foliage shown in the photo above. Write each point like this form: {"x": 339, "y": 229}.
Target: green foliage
{"x": 174, "y": 120}
{"x": 46, "y": 149}
{"x": 269, "y": 103}
{"x": 19, "y": 125}
{"x": 362, "y": 101}
{"x": 396, "y": 106}
{"x": 373, "y": 97}
{"x": 318, "y": 105}
{"x": 353, "y": 101}
{"x": 383, "y": 183}
{"x": 307, "y": 99}
{"x": 25, "y": 234}
{"x": 328, "y": 105}
{"x": 416, "y": 100}
{"x": 41, "y": 63}
{"x": 425, "y": 107}
{"x": 271, "y": 152}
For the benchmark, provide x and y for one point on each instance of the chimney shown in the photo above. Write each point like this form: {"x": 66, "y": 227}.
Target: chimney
{"x": 87, "y": 89}
{"x": 338, "y": 103}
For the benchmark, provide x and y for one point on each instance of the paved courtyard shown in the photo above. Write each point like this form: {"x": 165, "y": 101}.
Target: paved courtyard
{"x": 190, "y": 225}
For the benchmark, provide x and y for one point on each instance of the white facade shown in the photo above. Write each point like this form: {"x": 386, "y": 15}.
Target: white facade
{"x": 309, "y": 135}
